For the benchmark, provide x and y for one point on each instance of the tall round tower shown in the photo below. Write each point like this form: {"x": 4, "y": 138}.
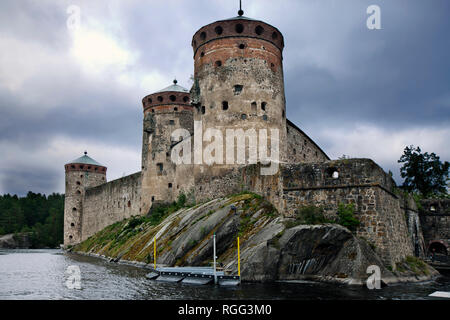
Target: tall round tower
{"x": 164, "y": 112}
{"x": 239, "y": 83}
{"x": 81, "y": 173}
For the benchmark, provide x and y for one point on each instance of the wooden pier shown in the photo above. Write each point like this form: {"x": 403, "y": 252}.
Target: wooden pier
{"x": 193, "y": 275}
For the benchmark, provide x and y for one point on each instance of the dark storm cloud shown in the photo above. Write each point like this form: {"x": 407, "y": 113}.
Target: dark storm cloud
{"x": 338, "y": 75}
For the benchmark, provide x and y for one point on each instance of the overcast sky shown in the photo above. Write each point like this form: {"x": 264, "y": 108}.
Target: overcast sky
{"x": 355, "y": 91}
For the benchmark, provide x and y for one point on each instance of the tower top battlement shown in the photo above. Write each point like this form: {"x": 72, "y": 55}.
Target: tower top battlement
{"x": 85, "y": 163}
{"x": 237, "y": 27}
{"x": 172, "y": 95}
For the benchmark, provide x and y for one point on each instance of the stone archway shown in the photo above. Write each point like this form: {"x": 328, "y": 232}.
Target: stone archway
{"x": 439, "y": 247}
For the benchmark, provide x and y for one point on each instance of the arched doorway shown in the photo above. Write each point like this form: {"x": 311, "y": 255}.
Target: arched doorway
{"x": 438, "y": 247}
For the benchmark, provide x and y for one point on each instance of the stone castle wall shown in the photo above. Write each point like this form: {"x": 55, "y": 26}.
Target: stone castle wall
{"x": 302, "y": 148}
{"x": 360, "y": 181}
{"x": 111, "y": 202}
{"x": 357, "y": 181}
{"x": 435, "y": 220}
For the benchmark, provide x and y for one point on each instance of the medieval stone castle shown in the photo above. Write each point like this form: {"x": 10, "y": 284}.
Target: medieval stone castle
{"x": 238, "y": 84}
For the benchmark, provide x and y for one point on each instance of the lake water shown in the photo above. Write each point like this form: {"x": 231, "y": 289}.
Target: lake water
{"x": 41, "y": 274}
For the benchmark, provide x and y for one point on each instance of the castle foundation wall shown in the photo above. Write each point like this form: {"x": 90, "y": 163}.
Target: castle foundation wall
{"x": 110, "y": 203}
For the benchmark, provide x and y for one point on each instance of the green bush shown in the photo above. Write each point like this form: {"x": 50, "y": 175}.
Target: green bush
{"x": 158, "y": 213}
{"x": 346, "y": 216}
{"x": 308, "y": 215}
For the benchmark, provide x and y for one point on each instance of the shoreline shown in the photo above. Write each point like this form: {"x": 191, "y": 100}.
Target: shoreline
{"x": 387, "y": 281}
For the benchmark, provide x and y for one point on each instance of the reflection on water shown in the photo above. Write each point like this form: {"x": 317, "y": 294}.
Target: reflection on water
{"x": 40, "y": 274}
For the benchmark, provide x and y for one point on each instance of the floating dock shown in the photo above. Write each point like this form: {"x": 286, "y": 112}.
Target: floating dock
{"x": 192, "y": 275}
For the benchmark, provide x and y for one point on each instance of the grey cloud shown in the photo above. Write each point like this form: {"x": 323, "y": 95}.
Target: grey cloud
{"x": 337, "y": 72}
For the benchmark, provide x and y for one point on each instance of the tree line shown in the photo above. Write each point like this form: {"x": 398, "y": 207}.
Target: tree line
{"x": 39, "y": 215}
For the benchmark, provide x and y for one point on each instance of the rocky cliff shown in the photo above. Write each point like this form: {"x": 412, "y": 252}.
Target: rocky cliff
{"x": 15, "y": 241}
{"x": 271, "y": 249}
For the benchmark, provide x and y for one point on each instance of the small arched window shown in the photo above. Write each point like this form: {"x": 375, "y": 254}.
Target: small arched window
{"x": 259, "y": 30}
{"x": 225, "y": 105}
{"x": 172, "y": 98}
{"x": 239, "y": 28}
{"x": 160, "y": 99}
{"x": 218, "y": 30}
{"x": 203, "y": 35}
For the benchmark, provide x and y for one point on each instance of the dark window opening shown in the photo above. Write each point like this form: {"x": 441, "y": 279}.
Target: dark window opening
{"x": 150, "y": 100}
{"x": 295, "y": 151}
{"x": 274, "y": 35}
{"x": 153, "y": 110}
{"x": 202, "y": 54}
{"x": 72, "y": 166}
{"x": 172, "y": 122}
{"x": 218, "y": 30}
{"x": 332, "y": 172}
{"x": 238, "y": 89}
{"x": 265, "y": 117}
{"x": 263, "y": 106}
{"x": 203, "y": 109}
{"x": 218, "y": 63}
{"x": 283, "y": 113}
{"x": 160, "y": 167}
{"x": 72, "y": 224}
{"x": 175, "y": 109}
{"x": 78, "y": 192}
{"x": 438, "y": 248}
{"x": 89, "y": 168}
{"x": 129, "y": 204}
{"x": 239, "y": 28}
{"x": 153, "y": 198}
{"x": 254, "y": 106}
{"x": 78, "y": 183}
{"x": 81, "y": 167}
{"x": 242, "y": 46}
{"x": 172, "y": 98}
{"x": 160, "y": 99}
{"x": 243, "y": 116}
{"x": 259, "y": 30}
{"x": 225, "y": 105}
{"x": 170, "y": 185}
{"x": 70, "y": 237}
{"x": 74, "y": 209}
{"x": 203, "y": 35}
{"x": 186, "y": 99}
